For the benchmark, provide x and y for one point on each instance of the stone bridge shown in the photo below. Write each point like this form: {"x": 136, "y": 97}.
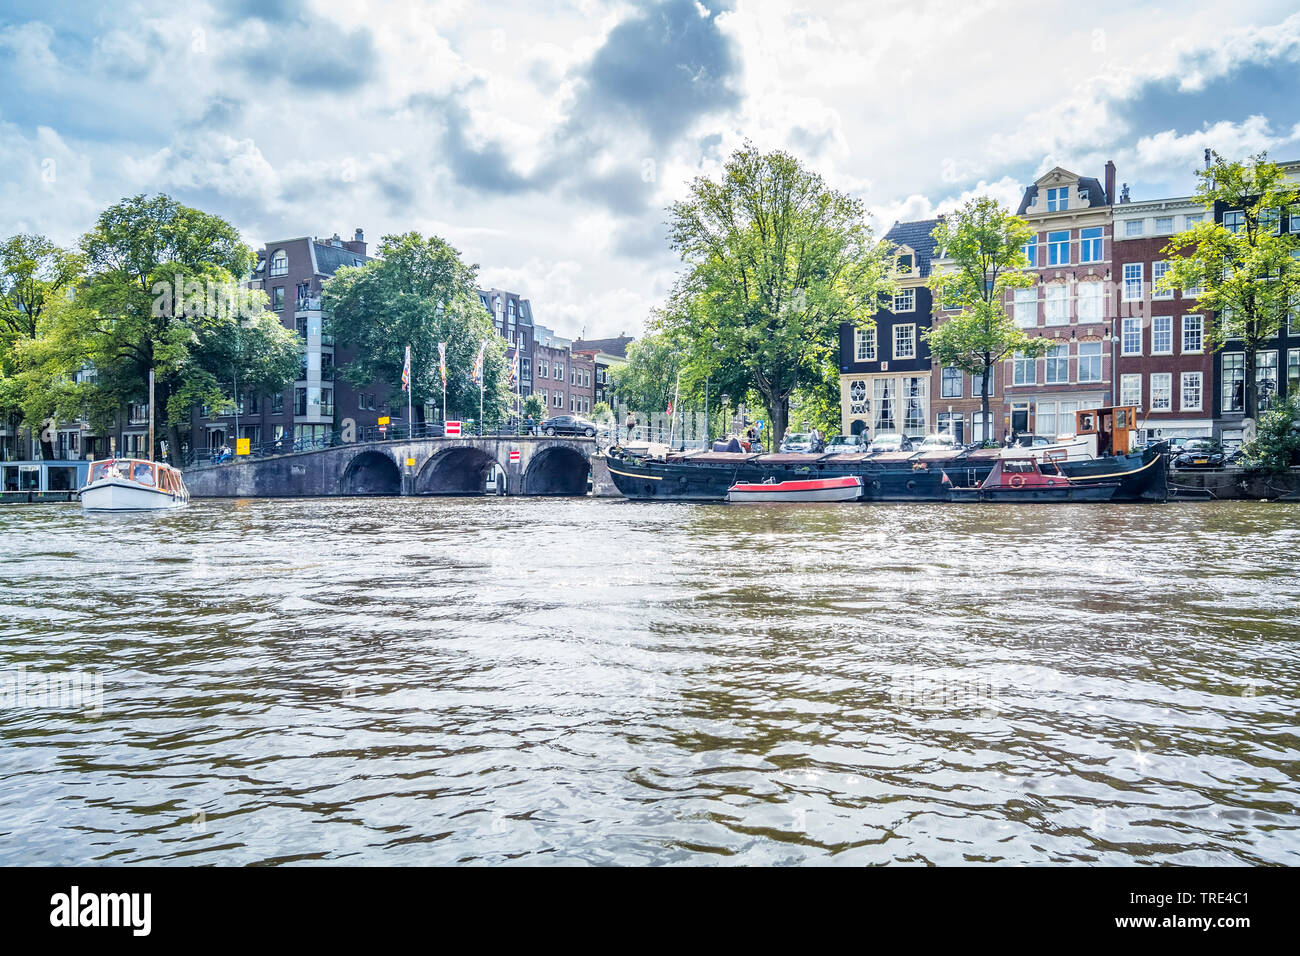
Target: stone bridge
{"x": 423, "y": 466}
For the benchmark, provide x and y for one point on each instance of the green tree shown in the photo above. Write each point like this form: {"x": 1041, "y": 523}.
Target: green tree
{"x": 776, "y": 260}
{"x": 534, "y": 408}
{"x": 418, "y": 293}
{"x": 645, "y": 384}
{"x": 163, "y": 292}
{"x": 979, "y": 255}
{"x": 1277, "y": 440}
{"x": 1246, "y": 268}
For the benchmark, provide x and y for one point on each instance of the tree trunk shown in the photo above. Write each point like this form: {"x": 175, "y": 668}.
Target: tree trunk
{"x": 780, "y": 409}
{"x": 984, "y": 404}
{"x": 173, "y": 445}
{"x": 1250, "y": 394}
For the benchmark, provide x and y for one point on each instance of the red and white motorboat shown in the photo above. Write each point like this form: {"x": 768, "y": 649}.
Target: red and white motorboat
{"x": 840, "y": 488}
{"x": 132, "y": 484}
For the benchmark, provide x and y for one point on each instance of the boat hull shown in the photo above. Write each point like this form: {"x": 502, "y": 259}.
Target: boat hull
{"x": 832, "y": 489}
{"x": 116, "y": 494}
{"x": 1139, "y": 476}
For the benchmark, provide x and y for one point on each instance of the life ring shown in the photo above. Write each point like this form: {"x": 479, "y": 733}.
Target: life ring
{"x": 1017, "y": 481}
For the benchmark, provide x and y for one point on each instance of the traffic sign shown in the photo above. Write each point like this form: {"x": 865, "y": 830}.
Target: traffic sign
{"x": 452, "y": 430}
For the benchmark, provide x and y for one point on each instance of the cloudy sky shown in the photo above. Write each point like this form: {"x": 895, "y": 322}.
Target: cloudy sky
{"x": 545, "y": 140}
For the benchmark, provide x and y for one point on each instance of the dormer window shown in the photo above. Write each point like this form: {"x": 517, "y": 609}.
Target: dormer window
{"x": 1058, "y": 200}
{"x": 1083, "y": 195}
{"x": 905, "y": 264}
{"x": 280, "y": 263}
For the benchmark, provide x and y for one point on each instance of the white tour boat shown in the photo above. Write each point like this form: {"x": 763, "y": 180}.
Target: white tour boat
{"x": 133, "y": 484}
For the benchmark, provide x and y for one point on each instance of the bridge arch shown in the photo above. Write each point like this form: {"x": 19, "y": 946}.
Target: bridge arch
{"x": 371, "y": 473}
{"x": 556, "y": 470}
{"x": 461, "y": 470}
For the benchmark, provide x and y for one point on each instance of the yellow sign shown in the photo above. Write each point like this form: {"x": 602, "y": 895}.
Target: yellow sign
{"x": 241, "y": 446}
{"x": 410, "y": 463}
{"x": 384, "y": 420}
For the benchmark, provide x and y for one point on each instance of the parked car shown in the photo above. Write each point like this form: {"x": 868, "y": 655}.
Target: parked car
{"x": 940, "y": 442}
{"x": 890, "y": 442}
{"x": 847, "y": 445}
{"x": 1199, "y": 453}
{"x": 801, "y": 442}
{"x": 568, "y": 425}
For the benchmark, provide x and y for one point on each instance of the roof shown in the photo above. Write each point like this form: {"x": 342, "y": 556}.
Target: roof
{"x": 1096, "y": 194}
{"x": 615, "y": 346}
{"x": 916, "y": 236}
{"x": 331, "y": 258}
{"x": 523, "y": 308}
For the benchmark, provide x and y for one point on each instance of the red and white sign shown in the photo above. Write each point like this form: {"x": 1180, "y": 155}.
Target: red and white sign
{"x": 452, "y": 430}
{"x": 514, "y": 456}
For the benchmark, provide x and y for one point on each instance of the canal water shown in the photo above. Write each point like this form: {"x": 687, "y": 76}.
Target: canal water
{"x": 600, "y": 681}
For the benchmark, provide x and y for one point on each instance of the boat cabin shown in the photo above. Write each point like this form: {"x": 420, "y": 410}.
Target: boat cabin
{"x": 150, "y": 474}
{"x": 1109, "y": 431}
{"x": 1027, "y": 472}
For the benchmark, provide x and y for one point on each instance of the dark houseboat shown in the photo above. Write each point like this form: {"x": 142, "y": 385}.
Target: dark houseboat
{"x": 1098, "y": 463}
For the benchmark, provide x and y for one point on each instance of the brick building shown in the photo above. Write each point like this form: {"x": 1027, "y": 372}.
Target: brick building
{"x": 291, "y": 273}
{"x": 512, "y": 315}
{"x": 1165, "y": 364}
{"x": 606, "y": 355}
{"x": 1070, "y": 304}
{"x": 565, "y": 379}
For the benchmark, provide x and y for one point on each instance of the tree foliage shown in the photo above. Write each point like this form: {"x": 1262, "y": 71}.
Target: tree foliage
{"x": 979, "y": 256}
{"x": 1247, "y": 272}
{"x": 419, "y": 293}
{"x": 775, "y": 261}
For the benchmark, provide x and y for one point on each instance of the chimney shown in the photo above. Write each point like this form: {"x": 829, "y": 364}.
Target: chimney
{"x": 1110, "y": 181}
{"x": 357, "y": 244}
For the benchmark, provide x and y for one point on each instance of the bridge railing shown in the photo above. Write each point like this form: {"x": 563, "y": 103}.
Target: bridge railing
{"x": 511, "y": 428}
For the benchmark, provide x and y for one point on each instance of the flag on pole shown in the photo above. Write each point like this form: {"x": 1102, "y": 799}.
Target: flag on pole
{"x": 442, "y": 362}
{"x": 514, "y": 370}
{"x": 478, "y": 363}
{"x": 406, "y": 371}
{"x": 670, "y": 408}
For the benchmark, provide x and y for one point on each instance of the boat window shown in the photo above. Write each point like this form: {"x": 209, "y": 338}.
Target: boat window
{"x": 100, "y": 470}
{"x": 1017, "y": 466}
{"x": 144, "y": 473}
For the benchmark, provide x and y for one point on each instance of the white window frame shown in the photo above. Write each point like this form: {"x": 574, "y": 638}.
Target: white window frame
{"x": 864, "y": 342}
{"x": 910, "y": 339}
{"x": 1025, "y": 307}
{"x": 1056, "y": 365}
{"x": 1091, "y": 301}
{"x": 905, "y": 301}
{"x": 1056, "y": 303}
{"x": 1128, "y": 384}
{"x": 1134, "y": 227}
{"x": 1089, "y": 357}
{"x": 282, "y": 258}
{"x": 1058, "y": 199}
{"x": 1158, "y": 269}
{"x": 1058, "y": 250}
{"x": 1164, "y": 229}
{"x": 1156, "y": 322}
{"x": 1162, "y": 387}
{"x": 1183, "y": 403}
{"x": 1131, "y": 337}
{"x": 1024, "y": 370}
{"x": 1086, "y": 244}
{"x": 1200, "y": 335}
{"x": 1126, "y": 285}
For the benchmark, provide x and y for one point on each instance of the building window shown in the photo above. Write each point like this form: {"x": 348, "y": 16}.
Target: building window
{"x": 904, "y": 341}
{"x": 279, "y": 263}
{"x": 1162, "y": 399}
{"x": 1132, "y": 227}
{"x": 1195, "y": 219}
{"x": 1089, "y": 361}
{"x": 1234, "y": 221}
{"x": 1193, "y": 333}
{"x": 277, "y": 403}
{"x": 277, "y": 298}
{"x": 950, "y": 382}
{"x": 1164, "y": 225}
{"x": 1131, "y": 339}
{"x": 1058, "y": 200}
{"x": 916, "y": 390}
{"x": 1057, "y": 365}
{"x": 1022, "y": 370}
{"x": 1092, "y": 299}
{"x": 558, "y": 400}
{"x": 1058, "y": 248}
{"x": 905, "y": 264}
{"x": 905, "y": 301}
{"x": 864, "y": 345}
{"x": 858, "y": 404}
{"x": 1130, "y": 390}
{"x": 885, "y": 398}
{"x": 1191, "y": 392}
{"x": 558, "y": 368}
{"x": 1090, "y": 244}
{"x": 1158, "y": 269}
{"x": 1234, "y": 378}
{"x": 1133, "y": 282}
{"x": 1026, "y": 308}
{"x": 1265, "y": 378}
{"x": 1031, "y": 252}
{"x": 1270, "y": 220}
{"x": 1162, "y": 335}
{"x": 1292, "y": 371}
{"x": 1057, "y": 298}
